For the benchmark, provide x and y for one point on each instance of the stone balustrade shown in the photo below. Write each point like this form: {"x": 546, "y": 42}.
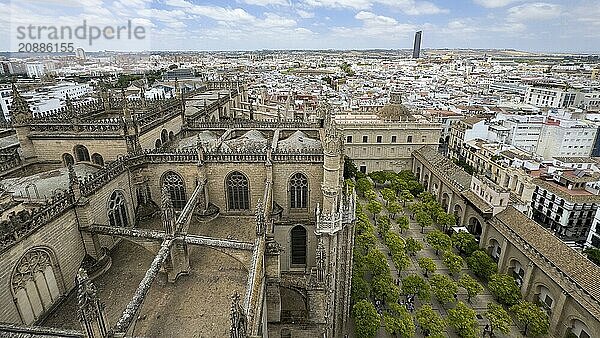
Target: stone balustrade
{"x": 251, "y": 124}
{"x": 25, "y": 222}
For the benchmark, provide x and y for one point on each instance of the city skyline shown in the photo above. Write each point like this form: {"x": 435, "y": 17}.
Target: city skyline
{"x": 549, "y": 26}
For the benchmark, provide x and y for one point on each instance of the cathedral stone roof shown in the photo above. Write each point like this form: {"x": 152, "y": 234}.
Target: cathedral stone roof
{"x": 252, "y": 140}
{"x": 46, "y": 182}
{"x": 205, "y": 137}
{"x": 444, "y": 167}
{"x": 574, "y": 265}
{"x": 298, "y": 141}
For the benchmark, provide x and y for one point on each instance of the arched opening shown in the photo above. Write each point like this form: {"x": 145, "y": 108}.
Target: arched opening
{"x": 293, "y": 306}
{"x": 117, "y": 210}
{"x": 517, "y": 271}
{"x": 418, "y": 173}
{"x": 426, "y": 182}
{"x": 298, "y": 191}
{"x": 34, "y": 284}
{"x": 81, "y": 153}
{"x": 494, "y": 249}
{"x": 176, "y": 187}
{"x": 238, "y": 192}
{"x": 157, "y": 144}
{"x": 475, "y": 227}
{"x": 164, "y": 136}
{"x": 544, "y": 298}
{"x": 97, "y": 159}
{"x": 458, "y": 214}
{"x": 445, "y": 201}
{"x": 579, "y": 329}
{"x": 298, "y": 240}
{"x": 68, "y": 159}
{"x": 171, "y": 136}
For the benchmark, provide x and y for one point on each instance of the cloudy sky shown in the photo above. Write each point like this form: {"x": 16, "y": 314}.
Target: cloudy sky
{"x": 567, "y": 25}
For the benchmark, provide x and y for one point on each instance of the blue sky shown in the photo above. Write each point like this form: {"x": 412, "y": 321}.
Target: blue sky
{"x": 321, "y": 24}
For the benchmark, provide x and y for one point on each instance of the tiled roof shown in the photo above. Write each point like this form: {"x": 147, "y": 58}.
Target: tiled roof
{"x": 574, "y": 265}
{"x": 575, "y": 196}
{"x": 445, "y": 167}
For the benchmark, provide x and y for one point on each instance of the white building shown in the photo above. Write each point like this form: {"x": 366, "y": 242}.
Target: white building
{"x": 524, "y": 130}
{"x": 554, "y": 96}
{"x": 566, "y": 138}
{"x": 36, "y": 69}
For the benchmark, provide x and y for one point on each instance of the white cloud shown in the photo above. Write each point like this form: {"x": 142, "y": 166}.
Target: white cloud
{"x": 266, "y": 2}
{"x": 534, "y": 11}
{"x": 305, "y": 14}
{"x": 375, "y": 26}
{"x": 410, "y": 7}
{"x": 495, "y": 3}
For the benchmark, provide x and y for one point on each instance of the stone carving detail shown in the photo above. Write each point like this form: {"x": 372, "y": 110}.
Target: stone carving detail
{"x": 87, "y": 298}
{"x": 238, "y": 318}
{"x": 260, "y": 219}
{"x": 168, "y": 213}
{"x": 333, "y": 140}
{"x": 321, "y": 259}
{"x": 20, "y": 107}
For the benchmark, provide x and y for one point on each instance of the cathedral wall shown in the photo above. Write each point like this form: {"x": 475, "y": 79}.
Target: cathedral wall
{"x": 281, "y": 187}
{"x": 62, "y": 238}
{"x": 96, "y": 210}
{"x": 283, "y": 236}
{"x": 217, "y": 174}
{"x": 155, "y": 172}
{"x": 54, "y": 148}
{"x": 148, "y": 139}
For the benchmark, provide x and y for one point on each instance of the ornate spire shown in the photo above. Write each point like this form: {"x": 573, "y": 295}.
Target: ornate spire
{"x": 20, "y": 107}
{"x": 321, "y": 261}
{"x": 90, "y": 310}
{"x": 70, "y": 107}
{"x": 86, "y": 296}
{"x": 260, "y": 218}
{"x": 333, "y": 140}
{"x": 238, "y": 318}
{"x": 168, "y": 213}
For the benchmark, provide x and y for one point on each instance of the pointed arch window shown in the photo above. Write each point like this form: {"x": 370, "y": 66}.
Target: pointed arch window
{"x": 34, "y": 285}
{"x": 238, "y": 194}
{"x": 117, "y": 211}
{"x": 298, "y": 191}
{"x": 298, "y": 245}
{"x": 176, "y": 187}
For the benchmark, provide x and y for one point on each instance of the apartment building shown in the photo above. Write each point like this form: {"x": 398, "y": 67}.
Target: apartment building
{"x": 566, "y": 201}
{"x": 552, "y": 95}
{"x": 566, "y": 138}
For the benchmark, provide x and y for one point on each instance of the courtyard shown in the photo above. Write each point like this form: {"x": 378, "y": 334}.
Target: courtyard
{"x": 478, "y": 303}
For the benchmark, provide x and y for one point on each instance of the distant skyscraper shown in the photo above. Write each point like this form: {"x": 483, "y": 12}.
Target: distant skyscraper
{"x": 417, "y": 47}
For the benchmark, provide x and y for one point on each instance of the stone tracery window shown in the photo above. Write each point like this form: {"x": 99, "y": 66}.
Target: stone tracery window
{"x": 176, "y": 187}
{"x": 238, "y": 194}
{"x": 298, "y": 191}
{"x": 34, "y": 285}
{"x": 117, "y": 212}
